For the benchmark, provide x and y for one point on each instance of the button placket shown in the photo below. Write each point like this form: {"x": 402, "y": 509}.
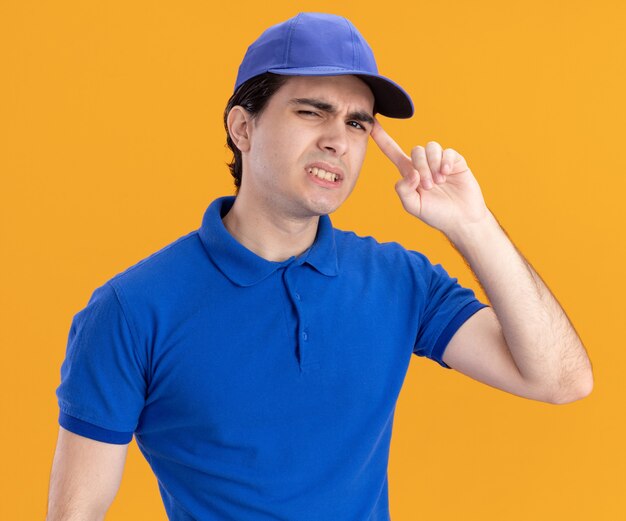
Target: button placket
{"x": 307, "y": 354}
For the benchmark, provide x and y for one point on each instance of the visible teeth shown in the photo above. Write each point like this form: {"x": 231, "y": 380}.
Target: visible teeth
{"x": 323, "y": 174}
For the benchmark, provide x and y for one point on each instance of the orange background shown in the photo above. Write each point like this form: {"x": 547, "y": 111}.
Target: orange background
{"x": 112, "y": 146}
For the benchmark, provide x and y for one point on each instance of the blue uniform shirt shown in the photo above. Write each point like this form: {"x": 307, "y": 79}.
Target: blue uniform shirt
{"x": 259, "y": 390}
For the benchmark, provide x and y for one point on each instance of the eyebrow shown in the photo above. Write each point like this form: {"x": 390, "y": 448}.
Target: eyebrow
{"x": 358, "y": 115}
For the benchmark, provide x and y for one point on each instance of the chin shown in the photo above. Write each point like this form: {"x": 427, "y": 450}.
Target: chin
{"x": 323, "y": 207}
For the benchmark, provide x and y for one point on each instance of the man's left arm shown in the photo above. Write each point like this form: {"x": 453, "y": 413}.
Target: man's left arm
{"x": 524, "y": 343}
{"x": 546, "y": 359}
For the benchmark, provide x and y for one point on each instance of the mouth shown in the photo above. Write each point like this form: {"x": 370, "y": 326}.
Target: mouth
{"x": 324, "y": 174}
{"x": 324, "y": 177}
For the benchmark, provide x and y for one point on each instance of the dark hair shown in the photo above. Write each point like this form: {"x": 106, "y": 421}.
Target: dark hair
{"x": 253, "y": 96}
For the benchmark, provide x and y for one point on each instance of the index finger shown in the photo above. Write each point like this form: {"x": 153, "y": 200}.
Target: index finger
{"x": 391, "y": 149}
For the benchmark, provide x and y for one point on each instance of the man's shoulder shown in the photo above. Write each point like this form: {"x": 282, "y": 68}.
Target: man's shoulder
{"x": 351, "y": 244}
{"x": 171, "y": 266}
{"x": 168, "y": 256}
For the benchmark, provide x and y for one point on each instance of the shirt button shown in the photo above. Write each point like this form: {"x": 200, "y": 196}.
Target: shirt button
{"x": 305, "y": 336}
{"x": 298, "y": 296}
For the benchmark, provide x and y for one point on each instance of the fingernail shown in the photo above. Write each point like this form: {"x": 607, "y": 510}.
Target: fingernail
{"x": 427, "y": 183}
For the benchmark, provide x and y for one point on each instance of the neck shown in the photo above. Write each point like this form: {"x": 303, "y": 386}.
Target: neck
{"x": 270, "y": 235}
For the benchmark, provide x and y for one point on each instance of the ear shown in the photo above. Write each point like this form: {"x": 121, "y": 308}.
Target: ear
{"x": 239, "y": 124}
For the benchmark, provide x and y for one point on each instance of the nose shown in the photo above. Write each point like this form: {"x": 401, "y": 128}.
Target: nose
{"x": 334, "y": 138}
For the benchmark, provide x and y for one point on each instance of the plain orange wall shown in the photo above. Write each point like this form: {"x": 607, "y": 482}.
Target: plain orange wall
{"x": 112, "y": 146}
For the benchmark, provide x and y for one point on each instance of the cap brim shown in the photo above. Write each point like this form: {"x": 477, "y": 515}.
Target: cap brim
{"x": 391, "y": 100}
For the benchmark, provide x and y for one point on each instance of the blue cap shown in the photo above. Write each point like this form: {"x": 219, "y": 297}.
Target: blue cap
{"x": 318, "y": 44}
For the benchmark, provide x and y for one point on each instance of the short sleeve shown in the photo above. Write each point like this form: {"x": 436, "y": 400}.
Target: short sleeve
{"x": 448, "y": 305}
{"x": 103, "y": 381}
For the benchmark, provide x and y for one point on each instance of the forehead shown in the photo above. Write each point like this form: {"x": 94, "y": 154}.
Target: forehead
{"x": 345, "y": 90}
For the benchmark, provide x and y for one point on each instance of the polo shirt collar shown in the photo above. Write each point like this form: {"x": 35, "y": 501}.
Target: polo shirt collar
{"x": 244, "y": 267}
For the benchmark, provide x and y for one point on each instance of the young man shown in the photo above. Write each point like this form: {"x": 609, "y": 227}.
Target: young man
{"x": 258, "y": 360}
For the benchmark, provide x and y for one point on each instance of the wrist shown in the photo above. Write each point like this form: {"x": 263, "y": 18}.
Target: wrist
{"x": 476, "y": 233}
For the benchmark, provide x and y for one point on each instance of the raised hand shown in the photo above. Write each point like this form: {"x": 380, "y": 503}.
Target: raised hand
{"x": 436, "y": 185}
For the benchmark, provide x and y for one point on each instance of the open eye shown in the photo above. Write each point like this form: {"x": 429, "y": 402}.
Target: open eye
{"x": 358, "y": 125}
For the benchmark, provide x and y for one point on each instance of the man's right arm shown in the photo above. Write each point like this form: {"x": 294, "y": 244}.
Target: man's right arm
{"x": 85, "y": 477}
